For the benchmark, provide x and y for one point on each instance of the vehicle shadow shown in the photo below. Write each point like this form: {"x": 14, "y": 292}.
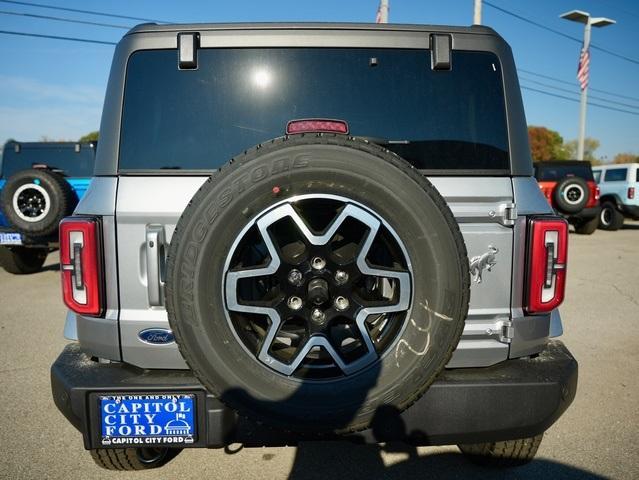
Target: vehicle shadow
{"x": 360, "y": 459}
{"x": 54, "y": 267}
{"x": 337, "y": 460}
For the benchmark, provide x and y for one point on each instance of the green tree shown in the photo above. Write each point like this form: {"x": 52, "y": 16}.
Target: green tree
{"x": 89, "y": 137}
{"x": 546, "y": 144}
{"x": 590, "y": 146}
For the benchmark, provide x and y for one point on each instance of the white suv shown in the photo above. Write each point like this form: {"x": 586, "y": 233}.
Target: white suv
{"x": 618, "y": 185}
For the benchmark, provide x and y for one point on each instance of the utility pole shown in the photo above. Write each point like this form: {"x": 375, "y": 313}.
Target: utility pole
{"x": 584, "y": 70}
{"x": 477, "y": 13}
{"x": 382, "y": 12}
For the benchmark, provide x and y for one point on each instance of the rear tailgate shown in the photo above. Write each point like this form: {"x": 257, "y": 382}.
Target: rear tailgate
{"x": 148, "y": 209}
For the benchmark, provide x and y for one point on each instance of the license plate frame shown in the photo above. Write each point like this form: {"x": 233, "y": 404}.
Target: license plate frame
{"x": 116, "y": 410}
{"x": 11, "y": 238}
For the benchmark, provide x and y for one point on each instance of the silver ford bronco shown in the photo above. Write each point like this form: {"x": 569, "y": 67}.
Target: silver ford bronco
{"x": 312, "y": 232}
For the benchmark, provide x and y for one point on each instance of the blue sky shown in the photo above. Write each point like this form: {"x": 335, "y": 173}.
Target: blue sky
{"x": 56, "y": 88}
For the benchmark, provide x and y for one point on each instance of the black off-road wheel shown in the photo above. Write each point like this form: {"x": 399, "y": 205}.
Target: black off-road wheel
{"x": 610, "y": 217}
{"x": 22, "y": 260}
{"x": 133, "y": 458}
{"x": 34, "y": 201}
{"x": 571, "y": 195}
{"x": 510, "y": 453}
{"x": 314, "y": 279}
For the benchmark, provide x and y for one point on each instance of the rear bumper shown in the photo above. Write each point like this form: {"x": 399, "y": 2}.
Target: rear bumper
{"x": 631, "y": 211}
{"x": 515, "y": 399}
{"x": 586, "y": 214}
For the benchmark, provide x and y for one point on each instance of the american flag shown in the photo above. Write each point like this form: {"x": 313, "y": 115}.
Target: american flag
{"x": 583, "y": 70}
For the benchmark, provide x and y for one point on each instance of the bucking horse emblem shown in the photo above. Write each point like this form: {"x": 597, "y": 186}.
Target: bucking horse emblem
{"x": 484, "y": 261}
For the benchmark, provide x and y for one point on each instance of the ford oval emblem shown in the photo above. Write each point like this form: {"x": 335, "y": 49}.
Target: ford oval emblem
{"x": 157, "y": 336}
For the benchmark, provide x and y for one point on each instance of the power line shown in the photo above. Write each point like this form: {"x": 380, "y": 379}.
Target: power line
{"x": 89, "y": 12}
{"x": 61, "y": 19}
{"x": 548, "y": 77}
{"x": 577, "y": 101}
{"x": 56, "y": 37}
{"x": 594, "y": 97}
{"x": 557, "y": 32}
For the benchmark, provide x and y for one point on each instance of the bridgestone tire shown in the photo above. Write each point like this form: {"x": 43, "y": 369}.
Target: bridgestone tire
{"x": 564, "y": 191}
{"x": 510, "y": 453}
{"x": 587, "y": 227}
{"x": 610, "y": 218}
{"x": 22, "y": 260}
{"x": 126, "y": 459}
{"x": 52, "y": 189}
{"x": 331, "y": 165}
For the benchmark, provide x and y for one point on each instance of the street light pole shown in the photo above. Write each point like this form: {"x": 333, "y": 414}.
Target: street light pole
{"x": 477, "y": 13}
{"x": 589, "y": 22}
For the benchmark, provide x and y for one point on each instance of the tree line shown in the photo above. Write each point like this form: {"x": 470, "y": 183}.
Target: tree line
{"x": 547, "y": 144}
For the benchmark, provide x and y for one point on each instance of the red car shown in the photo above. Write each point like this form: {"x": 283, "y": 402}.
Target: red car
{"x": 569, "y": 186}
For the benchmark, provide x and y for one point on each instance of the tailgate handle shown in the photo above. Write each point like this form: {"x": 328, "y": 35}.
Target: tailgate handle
{"x": 155, "y": 264}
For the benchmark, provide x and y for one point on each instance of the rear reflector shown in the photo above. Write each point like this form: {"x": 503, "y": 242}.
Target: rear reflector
{"x": 548, "y": 253}
{"x": 81, "y": 265}
{"x": 316, "y": 125}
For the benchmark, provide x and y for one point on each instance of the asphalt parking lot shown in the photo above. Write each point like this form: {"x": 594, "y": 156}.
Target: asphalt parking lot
{"x": 598, "y": 437}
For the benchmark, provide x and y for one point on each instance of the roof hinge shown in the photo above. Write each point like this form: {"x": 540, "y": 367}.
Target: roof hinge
{"x": 188, "y": 43}
{"x": 440, "y": 51}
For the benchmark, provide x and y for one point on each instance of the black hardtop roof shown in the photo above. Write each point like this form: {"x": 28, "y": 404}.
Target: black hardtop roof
{"x": 177, "y": 27}
{"x": 552, "y": 163}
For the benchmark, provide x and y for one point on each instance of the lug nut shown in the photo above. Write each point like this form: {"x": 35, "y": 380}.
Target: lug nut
{"x": 294, "y": 303}
{"x": 317, "y": 315}
{"x": 295, "y": 277}
{"x": 341, "y": 303}
{"x": 341, "y": 277}
{"x": 318, "y": 263}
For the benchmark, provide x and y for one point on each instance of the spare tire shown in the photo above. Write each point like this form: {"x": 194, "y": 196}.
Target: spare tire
{"x": 571, "y": 195}
{"x": 34, "y": 201}
{"x": 315, "y": 279}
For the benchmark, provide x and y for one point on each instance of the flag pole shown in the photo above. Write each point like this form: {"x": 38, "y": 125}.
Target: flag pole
{"x": 583, "y": 71}
{"x": 382, "y": 12}
{"x": 584, "y": 98}
{"x": 477, "y": 13}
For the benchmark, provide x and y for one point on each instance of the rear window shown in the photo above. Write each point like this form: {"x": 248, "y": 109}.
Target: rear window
{"x": 549, "y": 173}
{"x": 616, "y": 175}
{"x": 61, "y": 157}
{"x": 237, "y": 98}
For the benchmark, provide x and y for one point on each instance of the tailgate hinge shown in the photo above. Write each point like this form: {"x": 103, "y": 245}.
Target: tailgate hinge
{"x": 507, "y": 331}
{"x": 508, "y": 213}
{"x": 504, "y": 330}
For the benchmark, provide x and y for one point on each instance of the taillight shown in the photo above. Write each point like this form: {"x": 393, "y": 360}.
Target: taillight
{"x": 548, "y": 253}
{"x": 597, "y": 193}
{"x": 81, "y": 265}
{"x": 316, "y": 125}
{"x": 631, "y": 193}
{"x": 593, "y": 198}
